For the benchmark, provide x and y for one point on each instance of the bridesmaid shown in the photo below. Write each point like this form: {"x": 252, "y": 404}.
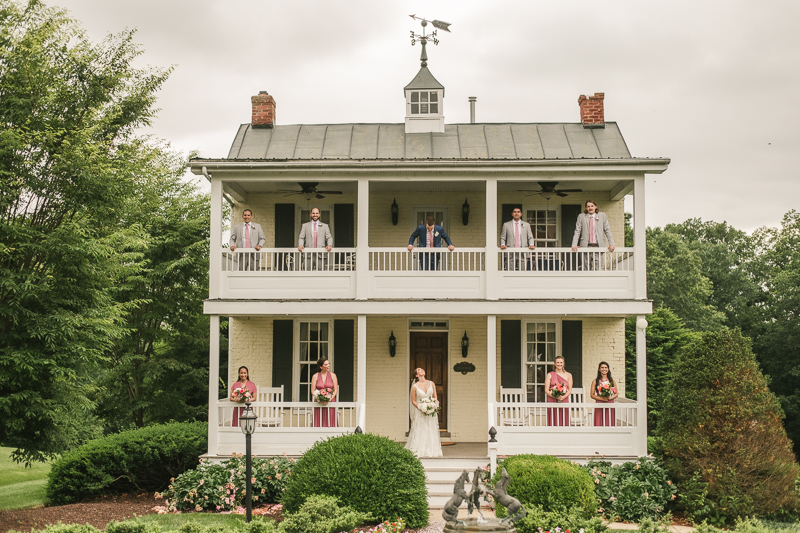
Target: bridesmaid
{"x": 243, "y": 381}
{"x": 325, "y": 379}
{"x": 558, "y": 417}
{"x": 604, "y": 416}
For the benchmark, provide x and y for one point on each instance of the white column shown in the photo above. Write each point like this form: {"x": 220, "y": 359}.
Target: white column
{"x": 491, "y": 239}
{"x": 640, "y": 252}
{"x": 215, "y": 250}
{"x": 361, "y": 386}
{"x": 491, "y": 364}
{"x": 641, "y": 384}
{"x": 213, "y": 384}
{"x": 362, "y": 255}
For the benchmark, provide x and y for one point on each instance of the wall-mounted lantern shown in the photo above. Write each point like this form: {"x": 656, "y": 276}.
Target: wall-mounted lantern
{"x": 395, "y": 211}
{"x": 464, "y": 345}
{"x": 465, "y": 212}
{"x": 392, "y": 344}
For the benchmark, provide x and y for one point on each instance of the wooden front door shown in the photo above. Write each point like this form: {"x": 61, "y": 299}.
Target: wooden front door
{"x": 429, "y": 352}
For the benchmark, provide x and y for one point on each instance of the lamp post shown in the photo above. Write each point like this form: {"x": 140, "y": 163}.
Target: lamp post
{"x": 464, "y": 345}
{"x": 247, "y": 421}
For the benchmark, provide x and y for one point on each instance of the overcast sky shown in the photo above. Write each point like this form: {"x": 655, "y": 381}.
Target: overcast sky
{"x": 713, "y": 85}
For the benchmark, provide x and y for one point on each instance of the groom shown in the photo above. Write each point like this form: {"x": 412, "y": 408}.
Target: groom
{"x": 430, "y": 235}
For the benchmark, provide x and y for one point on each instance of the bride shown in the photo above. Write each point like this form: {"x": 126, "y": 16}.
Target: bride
{"x": 423, "y": 439}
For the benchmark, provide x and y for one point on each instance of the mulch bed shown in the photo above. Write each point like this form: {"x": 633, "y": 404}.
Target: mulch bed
{"x": 97, "y": 512}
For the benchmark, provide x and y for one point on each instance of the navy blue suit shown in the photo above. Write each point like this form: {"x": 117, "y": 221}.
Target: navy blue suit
{"x": 428, "y": 260}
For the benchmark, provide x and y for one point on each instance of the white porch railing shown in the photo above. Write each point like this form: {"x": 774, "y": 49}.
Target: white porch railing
{"x": 565, "y": 260}
{"x": 280, "y": 415}
{"x": 426, "y": 259}
{"x": 278, "y": 260}
{"x": 535, "y": 415}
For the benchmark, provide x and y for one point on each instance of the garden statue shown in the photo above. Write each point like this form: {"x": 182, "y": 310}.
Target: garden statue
{"x": 478, "y": 490}
{"x": 450, "y": 511}
{"x": 515, "y": 509}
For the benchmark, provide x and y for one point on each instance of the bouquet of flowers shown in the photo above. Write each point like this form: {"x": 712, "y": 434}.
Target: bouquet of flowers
{"x": 606, "y": 390}
{"x": 429, "y": 406}
{"x": 558, "y": 390}
{"x": 242, "y": 395}
{"x": 323, "y": 396}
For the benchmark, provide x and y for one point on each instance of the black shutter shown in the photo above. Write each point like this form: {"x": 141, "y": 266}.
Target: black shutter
{"x": 569, "y": 217}
{"x": 572, "y": 349}
{"x": 511, "y": 354}
{"x": 344, "y": 357}
{"x": 283, "y": 356}
{"x": 344, "y": 226}
{"x": 284, "y": 226}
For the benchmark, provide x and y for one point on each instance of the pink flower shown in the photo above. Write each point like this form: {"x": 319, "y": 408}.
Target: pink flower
{"x": 202, "y": 481}
{"x": 252, "y": 480}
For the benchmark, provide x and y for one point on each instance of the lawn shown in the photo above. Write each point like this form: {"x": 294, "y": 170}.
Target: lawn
{"x": 21, "y": 487}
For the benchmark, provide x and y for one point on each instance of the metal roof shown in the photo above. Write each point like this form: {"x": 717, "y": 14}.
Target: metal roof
{"x": 424, "y": 80}
{"x": 458, "y": 142}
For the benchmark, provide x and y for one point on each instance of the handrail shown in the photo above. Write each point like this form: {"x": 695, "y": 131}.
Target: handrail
{"x": 564, "y": 259}
{"x": 386, "y": 259}
{"x": 282, "y": 260}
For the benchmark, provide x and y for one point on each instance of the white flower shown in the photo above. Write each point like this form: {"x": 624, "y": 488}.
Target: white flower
{"x": 436, "y": 234}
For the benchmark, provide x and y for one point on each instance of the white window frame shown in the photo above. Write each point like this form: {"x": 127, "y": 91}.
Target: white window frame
{"x": 557, "y": 209}
{"x": 415, "y": 210}
{"x": 297, "y": 364}
{"x": 321, "y": 208}
{"x": 558, "y": 347}
{"x": 420, "y": 103}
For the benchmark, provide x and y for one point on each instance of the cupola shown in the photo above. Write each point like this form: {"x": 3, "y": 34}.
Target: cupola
{"x": 424, "y": 98}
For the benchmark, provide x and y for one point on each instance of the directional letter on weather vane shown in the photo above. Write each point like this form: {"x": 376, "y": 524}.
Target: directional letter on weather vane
{"x": 423, "y": 39}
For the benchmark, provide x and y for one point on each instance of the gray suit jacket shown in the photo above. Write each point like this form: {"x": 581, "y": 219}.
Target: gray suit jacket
{"x": 257, "y": 237}
{"x": 525, "y": 234}
{"x": 603, "y": 230}
{"x": 324, "y": 237}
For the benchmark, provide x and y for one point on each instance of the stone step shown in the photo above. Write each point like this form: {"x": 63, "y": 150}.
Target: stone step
{"x": 442, "y": 472}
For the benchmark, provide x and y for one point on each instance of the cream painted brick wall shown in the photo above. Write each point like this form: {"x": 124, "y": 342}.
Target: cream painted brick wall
{"x": 251, "y": 346}
{"x": 388, "y": 383}
{"x": 468, "y": 411}
{"x": 614, "y": 210}
{"x": 603, "y": 340}
{"x": 383, "y": 233}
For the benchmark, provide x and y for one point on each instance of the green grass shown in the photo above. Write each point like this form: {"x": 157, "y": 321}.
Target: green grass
{"x": 20, "y": 487}
{"x": 172, "y": 522}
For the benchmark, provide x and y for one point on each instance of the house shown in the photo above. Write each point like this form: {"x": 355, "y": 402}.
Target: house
{"x": 486, "y": 324}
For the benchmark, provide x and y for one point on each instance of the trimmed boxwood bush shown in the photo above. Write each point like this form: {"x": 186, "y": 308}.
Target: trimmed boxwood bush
{"x": 548, "y": 482}
{"x": 141, "y": 459}
{"x": 369, "y": 473}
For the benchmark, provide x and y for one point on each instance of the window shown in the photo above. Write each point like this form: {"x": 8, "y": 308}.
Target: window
{"x": 540, "y": 354}
{"x": 325, "y": 215}
{"x": 440, "y": 214}
{"x": 544, "y": 225}
{"x": 425, "y": 102}
{"x": 314, "y": 342}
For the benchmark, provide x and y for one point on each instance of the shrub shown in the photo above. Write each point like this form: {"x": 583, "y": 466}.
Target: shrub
{"x": 548, "y": 482}
{"x": 221, "y": 487}
{"x": 632, "y": 491}
{"x": 66, "y": 528}
{"x": 322, "y": 514}
{"x": 370, "y": 473}
{"x": 261, "y": 524}
{"x": 572, "y": 520}
{"x": 131, "y": 526}
{"x": 656, "y": 525}
{"x": 724, "y": 430}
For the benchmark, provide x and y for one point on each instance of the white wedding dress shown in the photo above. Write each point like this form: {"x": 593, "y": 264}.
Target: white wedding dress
{"x": 423, "y": 439}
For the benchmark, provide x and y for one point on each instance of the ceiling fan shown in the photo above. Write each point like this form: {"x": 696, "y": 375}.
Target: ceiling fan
{"x": 549, "y": 190}
{"x": 308, "y": 190}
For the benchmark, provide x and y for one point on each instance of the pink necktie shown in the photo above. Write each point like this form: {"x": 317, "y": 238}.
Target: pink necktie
{"x": 516, "y": 234}
{"x": 591, "y": 229}
{"x": 430, "y": 239}
{"x": 247, "y": 235}
{"x": 315, "y": 234}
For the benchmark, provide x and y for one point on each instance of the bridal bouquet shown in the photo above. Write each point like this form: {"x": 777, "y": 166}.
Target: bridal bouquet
{"x": 242, "y": 395}
{"x": 429, "y": 406}
{"x": 323, "y": 396}
{"x": 605, "y": 390}
{"x": 558, "y": 390}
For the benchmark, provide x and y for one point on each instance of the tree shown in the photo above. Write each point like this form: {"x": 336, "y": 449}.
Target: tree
{"x": 723, "y": 428}
{"x": 675, "y": 279}
{"x": 68, "y": 108}
{"x": 159, "y": 367}
{"x": 665, "y": 338}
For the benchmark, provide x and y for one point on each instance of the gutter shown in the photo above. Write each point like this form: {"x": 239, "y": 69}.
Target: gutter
{"x": 225, "y": 195}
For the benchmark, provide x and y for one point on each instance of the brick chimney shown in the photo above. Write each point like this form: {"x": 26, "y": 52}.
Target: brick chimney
{"x": 264, "y": 110}
{"x": 592, "y": 115}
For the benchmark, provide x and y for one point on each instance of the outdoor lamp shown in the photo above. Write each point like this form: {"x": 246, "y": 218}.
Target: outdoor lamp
{"x": 464, "y": 345}
{"x": 392, "y": 344}
{"x": 247, "y": 421}
{"x": 465, "y": 215}
{"x": 395, "y": 211}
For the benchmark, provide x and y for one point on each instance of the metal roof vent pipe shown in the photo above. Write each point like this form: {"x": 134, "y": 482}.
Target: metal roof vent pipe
{"x": 472, "y": 100}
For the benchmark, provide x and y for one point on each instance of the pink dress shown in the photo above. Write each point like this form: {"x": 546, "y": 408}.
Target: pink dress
{"x": 557, "y": 417}
{"x": 236, "y": 412}
{"x": 604, "y": 417}
{"x": 324, "y": 417}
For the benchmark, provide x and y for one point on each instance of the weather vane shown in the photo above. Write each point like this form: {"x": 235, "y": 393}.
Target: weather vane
{"x": 423, "y": 39}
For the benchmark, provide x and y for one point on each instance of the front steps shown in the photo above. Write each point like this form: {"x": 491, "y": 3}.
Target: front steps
{"x": 441, "y": 473}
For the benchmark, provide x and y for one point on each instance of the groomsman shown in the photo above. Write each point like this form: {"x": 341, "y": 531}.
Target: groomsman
{"x": 429, "y": 235}
{"x": 593, "y": 231}
{"x": 247, "y": 235}
{"x": 516, "y": 233}
{"x": 315, "y": 234}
